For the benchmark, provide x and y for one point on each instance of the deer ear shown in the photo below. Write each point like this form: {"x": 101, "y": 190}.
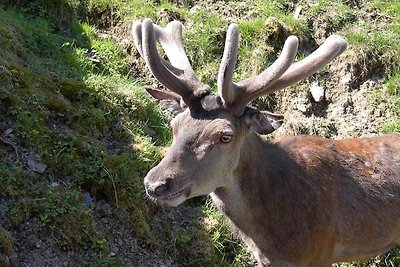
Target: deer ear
{"x": 263, "y": 122}
{"x": 170, "y": 102}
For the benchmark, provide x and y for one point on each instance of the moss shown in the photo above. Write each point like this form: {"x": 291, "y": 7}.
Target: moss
{"x": 70, "y": 88}
{"x": 21, "y": 76}
{"x": 56, "y": 103}
{"x": 20, "y": 213}
{"x": 6, "y": 242}
{"x": 274, "y": 31}
{"x": 139, "y": 225}
{"x": 98, "y": 119}
{"x": 6, "y": 84}
{"x": 69, "y": 217}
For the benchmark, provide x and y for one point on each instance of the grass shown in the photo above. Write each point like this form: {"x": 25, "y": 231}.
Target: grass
{"x": 228, "y": 246}
{"x": 67, "y": 96}
{"x": 393, "y": 90}
{"x": 390, "y": 259}
{"x": 62, "y": 105}
{"x": 6, "y": 246}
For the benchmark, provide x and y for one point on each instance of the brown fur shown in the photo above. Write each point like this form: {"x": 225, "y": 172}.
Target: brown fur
{"x": 298, "y": 201}
{"x": 314, "y": 201}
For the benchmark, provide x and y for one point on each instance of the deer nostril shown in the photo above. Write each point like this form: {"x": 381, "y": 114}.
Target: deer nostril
{"x": 160, "y": 188}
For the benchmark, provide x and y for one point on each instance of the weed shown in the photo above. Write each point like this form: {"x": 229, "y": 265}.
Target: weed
{"x": 6, "y": 242}
{"x": 390, "y": 259}
{"x": 393, "y": 85}
{"x": 391, "y": 127}
{"x": 6, "y": 246}
{"x": 61, "y": 97}
{"x": 231, "y": 249}
{"x": 62, "y": 212}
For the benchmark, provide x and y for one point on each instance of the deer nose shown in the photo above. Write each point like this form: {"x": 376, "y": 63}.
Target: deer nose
{"x": 159, "y": 189}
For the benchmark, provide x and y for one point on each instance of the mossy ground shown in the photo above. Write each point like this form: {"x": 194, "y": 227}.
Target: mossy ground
{"x": 72, "y": 100}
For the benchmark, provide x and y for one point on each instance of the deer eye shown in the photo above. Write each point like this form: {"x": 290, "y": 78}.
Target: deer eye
{"x": 226, "y": 138}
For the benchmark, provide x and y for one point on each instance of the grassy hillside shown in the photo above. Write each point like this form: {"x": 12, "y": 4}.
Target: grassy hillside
{"x": 78, "y": 133}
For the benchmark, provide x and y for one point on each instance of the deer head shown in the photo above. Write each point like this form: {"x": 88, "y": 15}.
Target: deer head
{"x": 209, "y": 130}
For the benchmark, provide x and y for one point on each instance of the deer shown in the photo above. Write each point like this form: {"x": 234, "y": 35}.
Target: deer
{"x": 296, "y": 200}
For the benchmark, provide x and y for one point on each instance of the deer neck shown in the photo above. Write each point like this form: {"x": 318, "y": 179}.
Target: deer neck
{"x": 235, "y": 199}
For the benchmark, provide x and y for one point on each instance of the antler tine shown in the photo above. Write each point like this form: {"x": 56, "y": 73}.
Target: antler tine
{"x": 254, "y": 87}
{"x": 330, "y": 49}
{"x": 178, "y": 76}
{"x": 171, "y": 40}
{"x": 144, "y": 36}
{"x": 279, "y": 75}
{"x": 137, "y": 36}
{"x": 226, "y": 87}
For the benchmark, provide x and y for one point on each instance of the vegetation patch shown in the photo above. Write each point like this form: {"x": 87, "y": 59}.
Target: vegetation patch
{"x": 6, "y": 246}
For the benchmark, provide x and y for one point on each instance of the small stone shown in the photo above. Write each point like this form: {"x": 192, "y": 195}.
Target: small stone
{"x": 8, "y": 131}
{"x": 302, "y": 107}
{"x": 380, "y": 110}
{"x": 38, "y": 245}
{"x": 88, "y": 199}
{"x": 345, "y": 80}
{"x": 36, "y": 166}
{"x": 297, "y": 12}
{"x": 377, "y": 113}
{"x": 317, "y": 92}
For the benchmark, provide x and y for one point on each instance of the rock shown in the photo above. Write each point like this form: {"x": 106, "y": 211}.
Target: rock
{"x": 297, "y": 12}
{"x": 8, "y": 131}
{"x": 346, "y": 79}
{"x": 317, "y": 92}
{"x": 38, "y": 245}
{"x": 380, "y": 110}
{"x": 113, "y": 250}
{"x": 54, "y": 184}
{"x": 4, "y": 261}
{"x": 36, "y": 165}
{"x": 377, "y": 113}
{"x": 302, "y": 107}
{"x": 88, "y": 199}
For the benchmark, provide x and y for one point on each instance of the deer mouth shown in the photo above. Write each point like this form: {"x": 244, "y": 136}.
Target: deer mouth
{"x": 177, "y": 197}
{"x": 185, "y": 191}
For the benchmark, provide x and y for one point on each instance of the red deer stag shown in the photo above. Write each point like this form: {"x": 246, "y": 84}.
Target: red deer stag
{"x": 296, "y": 201}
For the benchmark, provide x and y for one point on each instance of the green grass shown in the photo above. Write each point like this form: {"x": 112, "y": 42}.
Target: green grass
{"x": 393, "y": 90}
{"x": 390, "y": 259}
{"x": 6, "y": 246}
{"x": 65, "y": 94}
{"x": 229, "y": 247}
